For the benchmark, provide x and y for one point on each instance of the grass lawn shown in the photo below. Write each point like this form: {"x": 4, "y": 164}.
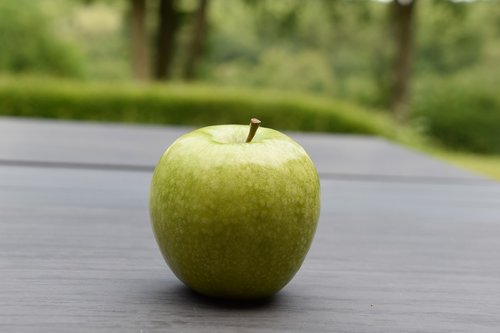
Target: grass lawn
{"x": 487, "y": 165}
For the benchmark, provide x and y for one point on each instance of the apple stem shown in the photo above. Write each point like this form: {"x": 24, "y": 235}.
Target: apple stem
{"x": 254, "y": 125}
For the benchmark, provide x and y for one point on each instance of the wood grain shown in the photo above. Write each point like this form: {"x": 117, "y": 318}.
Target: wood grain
{"x": 140, "y": 147}
{"x": 77, "y": 252}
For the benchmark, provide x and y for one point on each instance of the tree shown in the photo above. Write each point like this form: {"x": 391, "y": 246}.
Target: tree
{"x": 139, "y": 41}
{"x": 29, "y": 44}
{"x": 403, "y": 17}
{"x": 166, "y": 38}
{"x": 195, "y": 46}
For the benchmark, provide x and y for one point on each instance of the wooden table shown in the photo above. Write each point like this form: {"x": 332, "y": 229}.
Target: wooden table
{"x": 405, "y": 243}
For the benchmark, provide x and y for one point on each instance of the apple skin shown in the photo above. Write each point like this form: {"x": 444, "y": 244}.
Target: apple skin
{"x": 233, "y": 219}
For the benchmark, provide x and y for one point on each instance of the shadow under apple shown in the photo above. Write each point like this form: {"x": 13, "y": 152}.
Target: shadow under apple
{"x": 189, "y": 295}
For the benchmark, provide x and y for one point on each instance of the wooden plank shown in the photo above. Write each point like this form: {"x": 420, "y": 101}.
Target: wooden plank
{"x": 140, "y": 147}
{"x": 77, "y": 254}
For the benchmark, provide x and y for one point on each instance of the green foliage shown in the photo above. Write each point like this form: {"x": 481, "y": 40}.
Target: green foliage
{"x": 463, "y": 112}
{"x": 186, "y": 105}
{"x": 346, "y": 44}
{"x": 456, "y": 98}
{"x": 29, "y": 45}
{"x": 101, "y": 31}
{"x": 450, "y": 37}
{"x": 273, "y": 70}
{"x": 334, "y": 48}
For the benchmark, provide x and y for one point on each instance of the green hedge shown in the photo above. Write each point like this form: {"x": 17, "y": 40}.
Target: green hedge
{"x": 185, "y": 105}
{"x": 461, "y": 113}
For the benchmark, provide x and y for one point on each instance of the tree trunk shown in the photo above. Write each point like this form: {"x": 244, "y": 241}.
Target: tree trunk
{"x": 139, "y": 45}
{"x": 195, "y": 46}
{"x": 403, "y": 24}
{"x": 167, "y": 30}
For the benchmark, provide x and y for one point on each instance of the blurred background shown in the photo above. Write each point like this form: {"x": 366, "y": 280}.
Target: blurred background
{"x": 424, "y": 73}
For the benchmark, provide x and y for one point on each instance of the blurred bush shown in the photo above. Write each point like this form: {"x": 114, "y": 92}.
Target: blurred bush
{"x": 27, "y": 43}
{"x": 456, "y": 99}
{"x": 311, "y": 71}
{"x": 100, "y": 29}
{"x": 463, "y": 111}
{"x": 186, "y": 105}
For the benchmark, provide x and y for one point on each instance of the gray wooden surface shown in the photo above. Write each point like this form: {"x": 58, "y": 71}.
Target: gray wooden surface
{"x": 404, "y": 244}
{"x": 139, "y": 147}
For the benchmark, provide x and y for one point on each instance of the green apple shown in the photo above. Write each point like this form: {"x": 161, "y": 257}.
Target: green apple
{"x": 234, "y": 211}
